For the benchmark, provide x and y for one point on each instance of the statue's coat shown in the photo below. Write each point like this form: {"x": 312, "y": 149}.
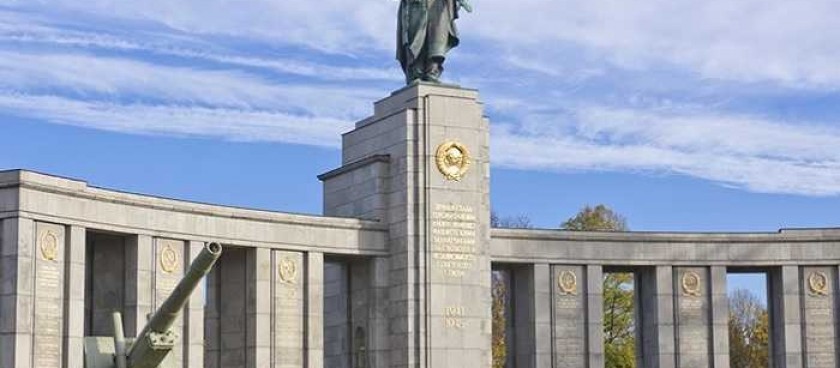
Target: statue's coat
{"x": 426, "y": 29}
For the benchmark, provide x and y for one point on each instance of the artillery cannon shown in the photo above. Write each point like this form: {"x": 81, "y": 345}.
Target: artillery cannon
{"x": 157, "y": 339}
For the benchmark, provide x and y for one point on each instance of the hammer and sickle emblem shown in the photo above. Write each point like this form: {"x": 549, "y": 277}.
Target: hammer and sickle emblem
{"x": 567, "y": 282}
{"x": 287, "y": 270}
{"x": 691, "y": 283}
{"x": 818, "y": 283}
{"x": 453, "y": 160}
{"x": 49, "y": 246}
{"x": 168, "y": 259}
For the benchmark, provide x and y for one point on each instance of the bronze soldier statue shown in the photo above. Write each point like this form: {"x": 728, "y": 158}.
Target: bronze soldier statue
{"x": 425, "y": 33}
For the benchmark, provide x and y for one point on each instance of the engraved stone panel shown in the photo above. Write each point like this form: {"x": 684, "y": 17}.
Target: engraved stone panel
{"x": 569, "y": 308}
{"x": 820, "y": 329}
{"x": 458, "y": 281}
{"x": 693, "y": 317}
{"x": 287, "y": 312}
{"x": 49, "y": 288}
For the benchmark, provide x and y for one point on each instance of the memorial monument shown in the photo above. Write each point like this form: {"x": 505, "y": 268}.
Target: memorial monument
{"x": 397, "y": 271}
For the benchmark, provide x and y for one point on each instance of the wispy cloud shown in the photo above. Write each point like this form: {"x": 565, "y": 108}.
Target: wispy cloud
{"x": 794, "y": 43}
{"x": 600, "y": 85}
{"x": 741, "y": 151}
{"x": 224, "y": 123}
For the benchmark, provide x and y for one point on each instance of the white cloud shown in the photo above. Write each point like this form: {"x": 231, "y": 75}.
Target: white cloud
{"x": 788, "y": 42}
{"x": 128, "y": 79}
{"x": 746, "y": 152}
{"x": 149, "y": 82}
{"x": 225, "y": 123}
{"x": 21, "y": 29}
{"x": 331, "y": 25}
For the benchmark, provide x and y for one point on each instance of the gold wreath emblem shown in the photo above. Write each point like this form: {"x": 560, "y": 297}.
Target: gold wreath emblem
{"x": 453, "y": 160}
{"x": 818, "y": 283}
{"x": 168, "y": 259}
{"x": 567, "y": 282}
{"x": 691, "y": 283}
{"x": 287, "y": 270}
{"x": 49, "y": 246}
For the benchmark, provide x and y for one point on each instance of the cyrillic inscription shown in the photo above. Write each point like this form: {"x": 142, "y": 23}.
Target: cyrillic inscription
{"x": 49, "y": 282}
{"x": 288, "y": 310}
{"x": 453, "y": 235}
{"x": 820, "y": 329}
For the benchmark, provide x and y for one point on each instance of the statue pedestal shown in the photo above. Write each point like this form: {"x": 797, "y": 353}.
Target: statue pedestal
{"x": 421, "y": 165}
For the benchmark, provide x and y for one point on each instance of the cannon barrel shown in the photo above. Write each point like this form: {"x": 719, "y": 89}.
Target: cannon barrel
{"x": 156, "y": 339}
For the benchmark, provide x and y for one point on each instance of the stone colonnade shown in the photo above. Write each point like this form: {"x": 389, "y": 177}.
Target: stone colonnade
{"x": 680, "y": 281}
{"x": 397, "y": 274}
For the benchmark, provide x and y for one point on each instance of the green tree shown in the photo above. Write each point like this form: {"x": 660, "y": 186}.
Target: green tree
{"x": 749, "y": 331}
{"x": 619, "y": 327}
{"x": 499, "y": 326}
{"x": 598, "y": 218}
{"x": 619, "y": 322}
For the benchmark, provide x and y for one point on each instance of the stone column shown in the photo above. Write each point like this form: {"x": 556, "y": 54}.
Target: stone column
{"x": 336, "y": 315}
{"x": 48, "y": 300}
{"x": 287, "y": 333}
{"x": 720, "y": 317}
{"x": 785, "y": 294}
{"x": 693, "y": 317}
{"x": 378, "y": 341}
{"x": 227, "y": 324}
{"x": 656, "y": 316}
{"x": 819, "y": 324}
{"x": 569, "y": 303}
{"x": 17, "y": 275}
{"x": 170, "y": 261}
{"x": 542, "y": 315}
{"x": 139, "y": 255}
{"x": 533, "y": 310}
{"x": 74, "y": 298}
{"x": 595, "y": 316}
{"x": 212, "y": 314}
{"x": 194, "y": 316}
{"x": 258, "y": 309}
{"x": 314, "y": 310}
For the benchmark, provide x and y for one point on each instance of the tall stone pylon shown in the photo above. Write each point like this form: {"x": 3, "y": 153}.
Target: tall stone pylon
{"x": 420, "y": 165}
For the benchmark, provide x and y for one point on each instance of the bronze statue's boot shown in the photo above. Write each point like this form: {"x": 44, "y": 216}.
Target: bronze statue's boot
{"x": 414, "y": 75}
{"x": 433, "y": 71}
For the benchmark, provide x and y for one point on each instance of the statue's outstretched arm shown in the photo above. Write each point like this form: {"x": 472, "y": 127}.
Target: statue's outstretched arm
{"x": 466, "y": 5}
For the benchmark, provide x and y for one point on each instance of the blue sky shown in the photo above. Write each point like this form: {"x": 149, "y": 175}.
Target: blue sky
{"x": 681, "y": 115}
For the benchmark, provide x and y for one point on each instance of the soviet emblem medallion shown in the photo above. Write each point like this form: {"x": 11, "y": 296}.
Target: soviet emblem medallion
{"x": 168, "y": 259}
{"x": 49, "y": 246}
{"x": 287, "y": 271}
{"x": 453, "y": 160}
{"x": 567, "y": 282}
{"x": 691, "y": 283}
{"x": 818, "y": 283}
